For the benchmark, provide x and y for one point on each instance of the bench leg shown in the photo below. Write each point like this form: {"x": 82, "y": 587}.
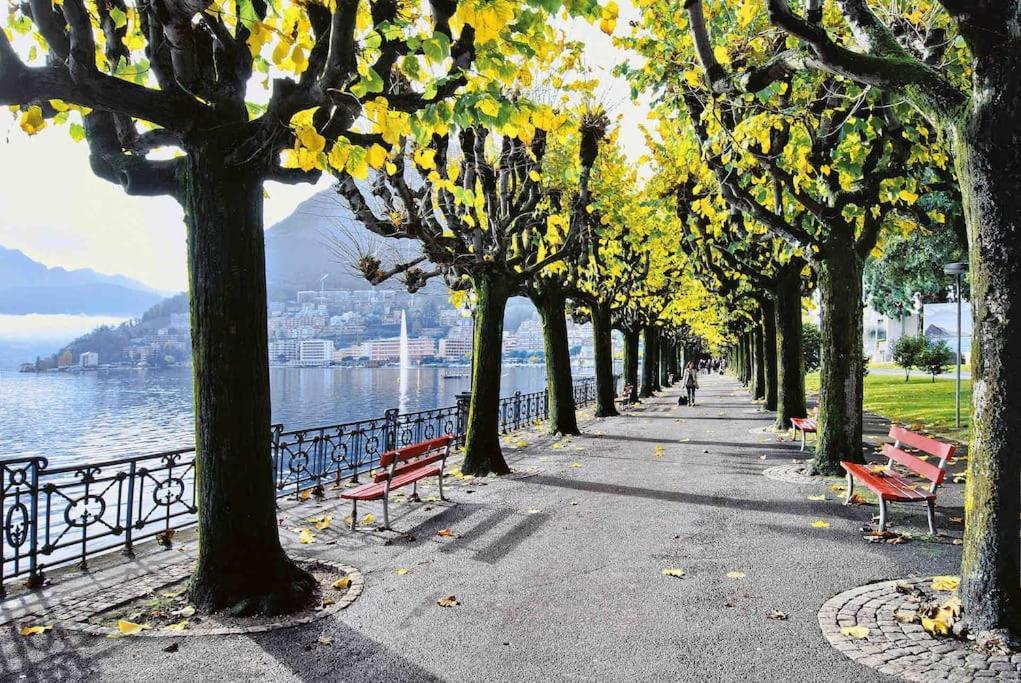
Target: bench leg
{"x": 931, "y": 513}
{"x": 439, "y": 482}
{"x": 354, "y": 514}
{"x": 386, "y": 512}
{"x": 804, "y": 435}
{"x": 882, "y": 514}
{"x": 413, "y": 498}
{"x": 850, "y": 489}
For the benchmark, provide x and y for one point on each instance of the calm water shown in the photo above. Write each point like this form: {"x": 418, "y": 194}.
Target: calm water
{"x": 101, "y": 415}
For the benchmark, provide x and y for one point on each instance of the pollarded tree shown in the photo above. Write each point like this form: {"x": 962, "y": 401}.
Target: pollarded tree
{"x": 482, "y": 216}
{"x": 959, "y": 61}
{"x": 133, "y": 77}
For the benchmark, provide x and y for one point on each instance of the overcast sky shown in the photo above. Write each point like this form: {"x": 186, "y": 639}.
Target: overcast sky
{"x": 55, "y": 210}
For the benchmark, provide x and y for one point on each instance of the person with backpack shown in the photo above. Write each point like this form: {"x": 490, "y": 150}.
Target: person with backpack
{"x": 689, "y": 380}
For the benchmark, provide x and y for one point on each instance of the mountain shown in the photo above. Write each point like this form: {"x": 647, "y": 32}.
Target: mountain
{"x": 27, "y": 286}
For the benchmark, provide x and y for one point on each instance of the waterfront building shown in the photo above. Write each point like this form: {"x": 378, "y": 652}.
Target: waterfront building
{"x": 315, "y": 352}
{"x": 455, "y": 348}
{"x": 283, "y": 350}
{"x": 389, "y": 350}
{"x": 88, "y": 359}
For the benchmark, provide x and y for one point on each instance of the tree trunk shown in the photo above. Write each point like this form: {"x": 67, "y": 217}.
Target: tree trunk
{"x": 602, "y": 349}
{"x": 840, "y": 374}
{"x": 649, "y": 362}
{"x": 241, "y": 565}
{"x": 631, "y": 340}
{"x": 770, "y": 341}
{"x": 665, "y": 349}
{"x": 790, "y": 395}
{"x": 759, "y": 388}
{"x": 482, "y": 453}
{"x": 551, "y": 303}
{"x": 989, "y": 169}
{"x": 656, "y": 343}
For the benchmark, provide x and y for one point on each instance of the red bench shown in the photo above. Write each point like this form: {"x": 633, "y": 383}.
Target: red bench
{"x": 400, "y": 468}
{"x": 807, "y": 425}
{"x": 890, "y": 486}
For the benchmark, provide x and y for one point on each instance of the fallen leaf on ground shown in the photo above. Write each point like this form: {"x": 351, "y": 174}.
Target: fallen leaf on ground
{"x": 129, "y": 628}
{"x": 822, "y": 497}
{"x": 325, "y": 640}
{"x": 368, "y": 519}
{"x": 819, "y": 524}
{"x": 400, "y": 571}
{"x": 305, "y": 536}
{"x": 945, "y": 583}
{"x": 185, "y": 612}
{"x": 534, "y": 511}
{"x": 328, "y": 601}
{"x": 321, "y": 522}
{"x": 857, "y": 632}
{"x": 165, "y": 538}
{"x": 304, "y": 495}
{"x": 342, "y": 583}
{"x": 576, "y": 465}
{"x": 905, "y": 617}
{"x": 762, "y": 457}
{"x": 659, "y": 451}
{"x": 557, "y": 445}
{"x": 735, "y": 575}
{"x": 179, "y": 626}
{"x": 777, "y": 615}
{"x": 449, "y": 601}
{"x": 674, "y": 572}
{"x": 956, "y": 520}
{"x": 943, "y": 618}
{"x": 521, "y": 444}
{"x": 837, "y": 488}
{"x": 445, "y": 533}
{"x": 35, "y": 630}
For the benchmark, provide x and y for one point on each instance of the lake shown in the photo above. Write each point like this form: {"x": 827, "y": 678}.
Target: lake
{"x": 101, "y": 415}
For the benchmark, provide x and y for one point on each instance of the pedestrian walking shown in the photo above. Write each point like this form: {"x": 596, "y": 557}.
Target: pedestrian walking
{"x": 690, "y": 381}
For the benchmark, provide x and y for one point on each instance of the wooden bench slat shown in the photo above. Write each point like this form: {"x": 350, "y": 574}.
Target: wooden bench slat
{"x": 414, "y": 450}
{"x": 887, "y": 484}
{"x": 923, "y": 443}
{"x": 401, "y": 469}
{"x": 931, "y": 472}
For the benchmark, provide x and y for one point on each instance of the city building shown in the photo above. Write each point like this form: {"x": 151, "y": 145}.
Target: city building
{"x": 389, "y": 350}
{"x": 315, "y": 352}
{"x": 89, "y": 359}
{"x": 180, "y": 321}
{"x": 455, "y": 348}
{"x": 283, "y": 350}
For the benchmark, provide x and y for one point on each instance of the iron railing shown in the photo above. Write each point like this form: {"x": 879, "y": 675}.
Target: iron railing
{"x": 68, "y": 514}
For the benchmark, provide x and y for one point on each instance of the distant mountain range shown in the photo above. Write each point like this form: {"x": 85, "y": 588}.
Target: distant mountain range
{"x": 27, "y": 286}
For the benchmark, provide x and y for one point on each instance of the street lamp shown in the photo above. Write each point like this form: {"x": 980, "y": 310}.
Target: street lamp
{"x": 957, "y": 270}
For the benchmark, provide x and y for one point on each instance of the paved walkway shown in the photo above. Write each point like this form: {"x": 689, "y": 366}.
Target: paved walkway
{"x": 558, "y": 570}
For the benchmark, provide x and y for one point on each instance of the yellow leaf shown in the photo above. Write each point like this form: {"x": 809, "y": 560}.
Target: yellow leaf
{"x": 823, "y": 497}
{"x": 35, "y": 630}
{"x": 488, "y": 106}
{"x": 937, "y": 627}
{"x": 305, "y": 536}
{"x": 674, "y": 572}
{"x": 521, "y": 444}
{"x": 946, "y": 583}
{"x": 445, "y": 533}
{"x": 857, "y": 632}
{"x": 376, "y": 156}
{"x": 721, "y": 54}
{"x": 128, "y": 628}
{"x": 400, "y": 571}
{"x": 179, "y": 626}
{"x": 32, "y": 120}
{"x": 368, "y": 519}
{"x": 608, "y": 17}
{"x": 576, "y": 465}
{"x": 321, "y": 522}
{"x": 735, "y": 575}
{"x": 819, "y": 524}
{"x": 343, "y": 583}
{"x": 449, "y": 601}
{"x": 534, "y": 511}
{"x": 908, "y": 196}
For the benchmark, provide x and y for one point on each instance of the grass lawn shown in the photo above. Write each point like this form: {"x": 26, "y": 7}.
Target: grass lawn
{"x": 927, "y": 405}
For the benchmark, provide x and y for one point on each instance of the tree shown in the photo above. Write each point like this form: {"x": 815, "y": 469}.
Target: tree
{"x": 935, "y": 358}
{"x": 971, "y": 90}
{"x": 131, "y": 78}
{"x": 484, "y": 219}
{"x": 908, "y": 352}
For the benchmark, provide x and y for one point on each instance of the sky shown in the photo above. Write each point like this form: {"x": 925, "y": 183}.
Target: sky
{"x": 57, "y": 212}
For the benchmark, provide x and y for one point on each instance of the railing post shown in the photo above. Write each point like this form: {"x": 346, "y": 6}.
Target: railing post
{"x": 390, "y": 429}
{"x": 517, "y": 410}
{"x": 463, "y": 399}
{"x": 545, "y": 404}
{"x": 129, "y": 523}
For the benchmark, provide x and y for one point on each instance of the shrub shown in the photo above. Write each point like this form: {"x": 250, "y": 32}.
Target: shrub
{"x": 811, "y": 342}
{"x": 935, "y": 358}
{"x": 907, "y": 353}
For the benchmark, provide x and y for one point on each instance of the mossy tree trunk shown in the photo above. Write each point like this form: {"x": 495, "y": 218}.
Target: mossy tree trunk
{"x": 666, "y": 348}
{"x": 840, "y": 373}
{"x": 602, "y": 349}
{"x": 241, "y": 565}
{"x": 631, "y": 345}
{"x": 790, "y": 395}
{"x": 770, "y": 341}
{"x": 482, "y": 452}
{"x": 656, "y": 343}
{"x": 649, "y": 375}
{"x": 989, "y": 168}
{"x": 552, "y": 306}
{"x": 759, "y": 344}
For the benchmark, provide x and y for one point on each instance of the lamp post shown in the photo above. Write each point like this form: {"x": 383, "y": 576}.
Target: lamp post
{"x": 957, "y": 270}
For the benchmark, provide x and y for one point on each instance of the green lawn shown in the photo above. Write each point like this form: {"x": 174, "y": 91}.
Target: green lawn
{"x": 927, "y": 405}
